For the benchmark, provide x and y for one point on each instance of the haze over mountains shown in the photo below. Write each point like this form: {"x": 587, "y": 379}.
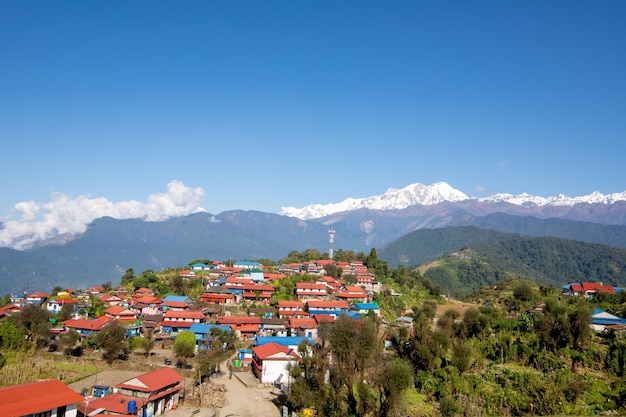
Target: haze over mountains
{"x": 109, "y": 246}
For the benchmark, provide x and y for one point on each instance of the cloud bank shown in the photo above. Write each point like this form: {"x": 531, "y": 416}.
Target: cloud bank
{"x": 67, "y": 215}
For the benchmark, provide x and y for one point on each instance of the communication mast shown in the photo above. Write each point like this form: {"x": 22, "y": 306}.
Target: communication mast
{"x": 331, "y": 234}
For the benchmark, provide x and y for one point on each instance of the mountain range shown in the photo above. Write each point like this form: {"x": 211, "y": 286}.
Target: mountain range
{"x": 110, "y": 246}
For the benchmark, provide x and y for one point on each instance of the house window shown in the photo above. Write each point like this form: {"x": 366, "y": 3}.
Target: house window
{"x": 44, "y": 414}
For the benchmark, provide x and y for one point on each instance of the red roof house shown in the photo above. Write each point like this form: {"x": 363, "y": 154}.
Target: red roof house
{"x": 38, "y": 398}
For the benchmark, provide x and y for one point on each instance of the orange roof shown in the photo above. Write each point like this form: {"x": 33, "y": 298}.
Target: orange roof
{"x": 175, "y": 304}
{"x": 146, "y": 299}
{"x": 248, "y": 327}
{"x": 238, "y": 320}
{"x": 87, "y": 324}
{"x": 153, "y": 380}
{"x": 271, "y": 349}
{"x": 305, "y": 323}
{"x": 290, "y": 304}
{"x": 310, "y": 286}
{"x": 113, "y": 403}
{"x": 34, "y": 397}
{"x": 171, "y": 314}
{"x": 326, "y": 304}
{"x": 119, "y": 311}
{"x": 324, "y": 318}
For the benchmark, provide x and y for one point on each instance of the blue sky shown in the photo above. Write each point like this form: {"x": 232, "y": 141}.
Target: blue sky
{"x": 261, "y": 104}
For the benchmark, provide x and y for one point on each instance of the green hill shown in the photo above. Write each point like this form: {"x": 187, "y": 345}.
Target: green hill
{"x": 468, "y": 258}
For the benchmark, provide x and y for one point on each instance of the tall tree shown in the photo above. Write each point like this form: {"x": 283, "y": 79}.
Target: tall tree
{"x": 184, "y": 345}
{"x": 36, "y": 321}
{"x": 112, "y": 340}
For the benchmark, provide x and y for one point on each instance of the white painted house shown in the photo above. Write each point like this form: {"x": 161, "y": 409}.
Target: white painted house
{"x": 270, "y": 361}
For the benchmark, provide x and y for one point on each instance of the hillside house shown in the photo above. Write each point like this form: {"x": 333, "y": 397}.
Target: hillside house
{"x": 248, "y": 265}
{"x": 86, "y": 327}
{"x": 39, "y": 399}
{"x": 202, "y": 331}
{"x": 311, "y": 291}
{"x": 149, "y": 394}
{"x": 292, "y": 342}
{"x": 352, "y": 293}
{"x": 55, "y": 305}
{"x": 259, "y": 293}
{"x": 270, "y": 362}
{"x": 330, "y": 282}
{"x": 245, "y": 327}
{"x": 109, "y": 300}
{"x": 365, "y": 308}
{"x": 121, "y": 314}
{"x": 36, "y": 298}
{"x": 176, "y": 321}
{"x": 587, "y": 289}
{"x": 305, "y": 326}
{"x": 333, "y": 308}
{"x": 220, "y": 298}
{"x": 288, "y": 308}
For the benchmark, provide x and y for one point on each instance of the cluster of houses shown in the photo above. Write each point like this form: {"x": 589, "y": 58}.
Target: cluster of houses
{"x": 274, "y": 331}
{"x": 150, "y": 394}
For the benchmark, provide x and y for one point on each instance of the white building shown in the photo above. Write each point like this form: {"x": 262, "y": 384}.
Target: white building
{"x": 270, "y": 361}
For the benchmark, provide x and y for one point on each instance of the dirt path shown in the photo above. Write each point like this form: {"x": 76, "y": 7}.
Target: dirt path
{"x": 239, "y": 399}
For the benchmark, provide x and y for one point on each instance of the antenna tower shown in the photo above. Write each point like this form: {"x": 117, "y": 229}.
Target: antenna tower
{"x": 331, "y": 239}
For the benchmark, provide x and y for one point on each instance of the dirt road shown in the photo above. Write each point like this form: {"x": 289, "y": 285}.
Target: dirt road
{"x": 239, "y": 399}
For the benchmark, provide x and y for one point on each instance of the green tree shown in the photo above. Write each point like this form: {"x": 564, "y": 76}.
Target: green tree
{"x": 11, "y": 335}
{"x": 112, "y": 339}
{"x": 523, "y": 291}
{"x": 396, "y": 376}
{"x": 128, "y": 277}
{"x": 68, "y": 341}
{"x": 184, "y": 345}
{"x": 148, "y": 342}
{"x": 36, "y": 321}
{"x": 65, "y": 313}
{"x": 178, "y": 285}
{"x": 461, "y": 357}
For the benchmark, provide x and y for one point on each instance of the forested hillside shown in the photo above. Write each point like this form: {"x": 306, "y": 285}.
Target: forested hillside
{"x": 545, "y": 260}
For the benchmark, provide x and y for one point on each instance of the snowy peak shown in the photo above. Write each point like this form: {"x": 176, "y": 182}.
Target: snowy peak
{"x": 426, "y": 195}
{"x": 392, "y": 199}
{"x": 528, "y": 200}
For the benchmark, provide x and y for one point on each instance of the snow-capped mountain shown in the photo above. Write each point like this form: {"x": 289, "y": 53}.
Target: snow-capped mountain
{"x": 392, "y": 199}
{"x": 428, "y": 195}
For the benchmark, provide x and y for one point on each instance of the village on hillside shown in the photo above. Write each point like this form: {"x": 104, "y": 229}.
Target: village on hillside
{"x": 239, "y": 299}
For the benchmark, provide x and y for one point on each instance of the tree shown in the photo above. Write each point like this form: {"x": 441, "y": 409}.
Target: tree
{"x": 11, "y": 335}
{"x": 112, "y": 340}
{"x": 396, "y": 376}
{"x": 65, "y": 313}
{"x": 68, "y": 341}
{"x": 523, "y": 292}
{"x": 178, "y": 285}
{"x": 461, "y": 357}
{"x": 184, "y": 345}
{"x": 36, "y": 321}
{"x": 128, "y": 277}
{"x": 148, "y": 342}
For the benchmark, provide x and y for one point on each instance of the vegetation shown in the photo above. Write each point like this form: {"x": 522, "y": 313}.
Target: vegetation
{"x": 516, "y": 347}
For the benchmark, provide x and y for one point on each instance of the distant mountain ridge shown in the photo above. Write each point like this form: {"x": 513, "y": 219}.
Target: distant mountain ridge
{"x": 428, "y": 195}
{"x": 110, "y": 246}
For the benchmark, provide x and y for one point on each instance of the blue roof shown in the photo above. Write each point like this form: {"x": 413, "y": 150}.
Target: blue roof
{"x": 366, "y": 306}
{"x": 177, "y": 298}
{"x": 282, "y": 340}
{"x": 205, "y": 328}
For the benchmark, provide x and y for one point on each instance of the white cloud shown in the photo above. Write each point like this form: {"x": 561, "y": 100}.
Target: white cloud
{"x": 479, "y": 188}
{"x": 67, "y": 215}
